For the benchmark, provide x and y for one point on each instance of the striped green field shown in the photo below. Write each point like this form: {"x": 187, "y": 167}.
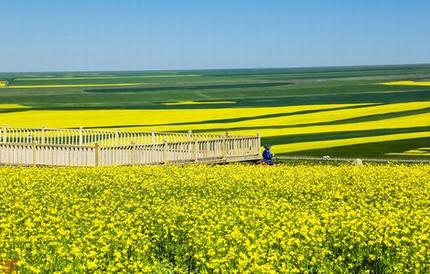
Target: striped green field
{"x": 348, "y": 112}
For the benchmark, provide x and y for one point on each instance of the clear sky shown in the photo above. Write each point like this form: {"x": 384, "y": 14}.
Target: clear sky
{"x": 59, "y": 35}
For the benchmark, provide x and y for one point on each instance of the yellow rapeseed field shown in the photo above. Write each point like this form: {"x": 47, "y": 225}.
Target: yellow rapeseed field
{"x": 197, "y": 103}
{"x": 3, "y": 83}
{"x": 236, "y": 218}
{"x": 12, "y": 106}
{"x": 268, "y": 121}
{"x": 408, "y": 83}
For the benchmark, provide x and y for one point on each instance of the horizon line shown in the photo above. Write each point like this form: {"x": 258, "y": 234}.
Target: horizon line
{"x": 226, "y": 68}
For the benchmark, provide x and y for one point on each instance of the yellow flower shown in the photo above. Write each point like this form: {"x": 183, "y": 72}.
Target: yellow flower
{"x": 220, "y": 219}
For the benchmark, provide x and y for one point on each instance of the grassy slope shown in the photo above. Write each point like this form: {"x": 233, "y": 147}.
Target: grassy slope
{"x": 336, "y": 111}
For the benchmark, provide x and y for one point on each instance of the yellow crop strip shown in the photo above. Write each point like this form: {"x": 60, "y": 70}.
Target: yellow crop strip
{"x": 215, "y": 219}
{"x": 148, "y": 118}
{"x": 424, "y": 151}
{"x": 74, "y": 85}
{"x": 268, "y": 121}
{"x": 302, "y": 146}
{"x": 197, "y": 103}
{"x": 325, "y": 115}
{"x": 408, "y": 83}
{"x": 13, "y": 106}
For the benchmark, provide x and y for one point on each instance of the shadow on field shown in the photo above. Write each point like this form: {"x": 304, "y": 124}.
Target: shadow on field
{"x": 241, "y": 119}
{"x": 338, "y": 135}
{"x": 374, "y": 149}
{"x": 365, "y": 118}
{"x": 189, "y": 87}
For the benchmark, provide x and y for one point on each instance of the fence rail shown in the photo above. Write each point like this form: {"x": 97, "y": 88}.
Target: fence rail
{"x": 50, "y": 155}
{"x": 71, "y": 147}
{"x": 89, "y": 137}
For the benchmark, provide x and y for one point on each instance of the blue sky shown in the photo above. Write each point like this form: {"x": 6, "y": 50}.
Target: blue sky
{"x": 46, "y": 35}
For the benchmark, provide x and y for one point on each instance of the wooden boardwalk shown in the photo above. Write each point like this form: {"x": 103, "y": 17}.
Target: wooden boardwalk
{"x": 91, "y": 147}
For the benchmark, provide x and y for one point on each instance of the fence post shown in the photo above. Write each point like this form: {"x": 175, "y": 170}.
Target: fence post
{"x": 257, "y": 149}
{"x": 96, "y": 154}
{"x": 190, "y": 135}
{"x": 4, "y": 134}
{"x": 133, "y": 153}
{"x": 195, "y": 150}
{"x": 42, "y": 136}
{"x": 116, "y": 136}
{"x": 165, "y": 152}
{"x": 81, "y": 137}
{"x": 206, "y": 148}
{"x": 224, "y": 146}
{"x": 33, "y": 157}
{"x": 153, "y": 136}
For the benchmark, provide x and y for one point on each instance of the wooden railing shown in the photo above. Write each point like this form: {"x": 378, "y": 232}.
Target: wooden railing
{"x": 84, "y": 150}
{"x": 88, "y": 137}
{"x": 47, "y": 155}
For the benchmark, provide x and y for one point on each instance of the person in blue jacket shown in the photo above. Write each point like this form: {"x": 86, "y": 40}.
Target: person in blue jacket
{"x": 267, "y": 155}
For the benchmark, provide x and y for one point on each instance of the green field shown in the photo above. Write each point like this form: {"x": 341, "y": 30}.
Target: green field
{"x": 342, "y": 111}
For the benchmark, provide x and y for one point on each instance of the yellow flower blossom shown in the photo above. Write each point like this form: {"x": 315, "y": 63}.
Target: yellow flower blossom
{"x": 220, "y": 219}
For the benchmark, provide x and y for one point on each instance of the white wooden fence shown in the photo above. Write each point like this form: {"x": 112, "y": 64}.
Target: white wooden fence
{"x": 82, "y": 137}
{"x": 82, "y": 147}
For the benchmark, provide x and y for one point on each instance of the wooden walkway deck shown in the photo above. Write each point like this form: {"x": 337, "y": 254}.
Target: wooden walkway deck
{"x": 91, "y": 147}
